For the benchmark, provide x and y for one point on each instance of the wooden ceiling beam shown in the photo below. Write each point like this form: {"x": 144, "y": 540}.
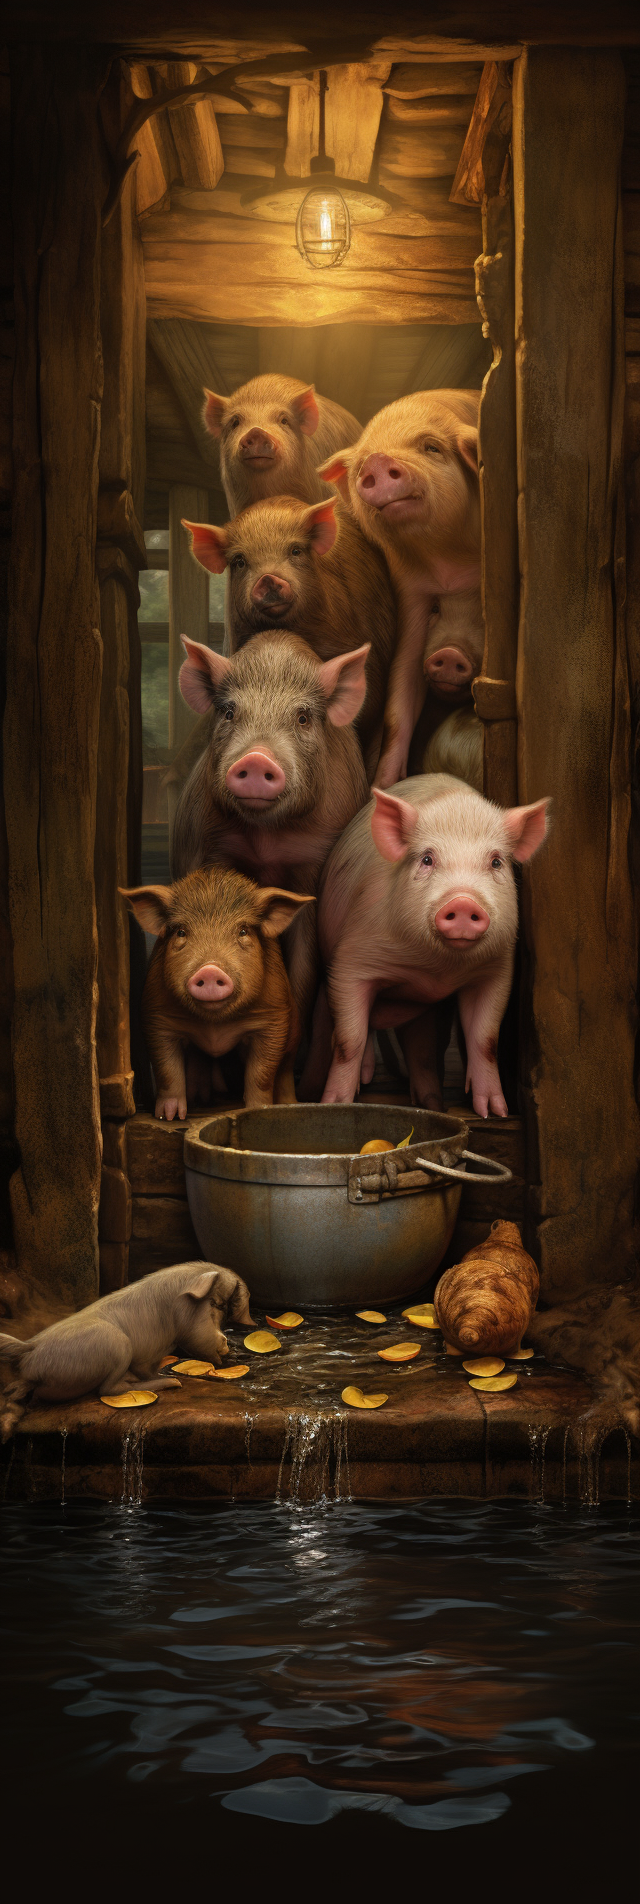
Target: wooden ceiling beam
{"x": 483, "y": 168}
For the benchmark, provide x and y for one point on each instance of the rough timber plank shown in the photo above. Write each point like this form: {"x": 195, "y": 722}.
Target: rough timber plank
{"x": 353, "y": 105}
{"x": 54, "y": 664}
{"x": 499, "y": 496}
{"x": 572, "y": 662}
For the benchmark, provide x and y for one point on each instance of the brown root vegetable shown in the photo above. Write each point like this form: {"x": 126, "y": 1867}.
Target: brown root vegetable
{"x": 485, "y": 1303}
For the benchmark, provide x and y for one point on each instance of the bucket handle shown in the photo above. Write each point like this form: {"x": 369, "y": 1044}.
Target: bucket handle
{"x": 493, "y": 1172}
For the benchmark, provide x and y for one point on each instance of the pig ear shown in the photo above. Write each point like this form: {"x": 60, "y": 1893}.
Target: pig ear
{"x": 467, "y": 446}
{"x": 305, "y": 408}
{"x": 392, "y": 824}
{"x": 208, "y": 545}
{"x": 202, "y": 1281}
{"x": 344, "y": 681}
{"x": 150, "y": 905}
{"x": 526, "y": 828}
{"x": 201, "y": 674}
{"x": 279, "y": 908}
{"x": 320, "y": 525}
{"x": 336, "y": 470}
{"x": 213, "y": 412}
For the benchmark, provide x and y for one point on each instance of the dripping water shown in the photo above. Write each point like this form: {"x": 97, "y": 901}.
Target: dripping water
{"x": 538, "y": 1437}
{"x": 564, "y": 1462}
{"x": 136, "y": 1465}
{"x": 63, "y": 1464}
{"x": 249, "y": 1425}
{"x": 125, "y": 1465}
{"x": 310, "y": 1441}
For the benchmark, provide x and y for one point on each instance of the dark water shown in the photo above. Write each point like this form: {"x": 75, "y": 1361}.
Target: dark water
{"x": 310, "y": 1695}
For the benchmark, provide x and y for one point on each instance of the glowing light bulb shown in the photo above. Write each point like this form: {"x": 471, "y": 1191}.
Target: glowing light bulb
{"x": 323, "y": 228}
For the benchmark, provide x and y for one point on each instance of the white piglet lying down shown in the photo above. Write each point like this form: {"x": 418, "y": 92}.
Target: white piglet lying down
{"x": 418, "y": 900}
{"x": 119, "y": 1341}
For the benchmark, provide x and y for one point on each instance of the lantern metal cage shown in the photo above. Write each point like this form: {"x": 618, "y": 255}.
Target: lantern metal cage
{"x": 323, "y": 227}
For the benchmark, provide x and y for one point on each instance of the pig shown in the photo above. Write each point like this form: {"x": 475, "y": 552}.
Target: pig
{"x": 118, "y": 1342}
{"x": 217, "y": 979}
{"x": 456, "y": 748}
{"x": 412, "y": 484}
{"x": 418, "y": 901}
{"x": 281, "y": 775}
{"x": 292, "y": 565}
{"x": 273, "y": 432}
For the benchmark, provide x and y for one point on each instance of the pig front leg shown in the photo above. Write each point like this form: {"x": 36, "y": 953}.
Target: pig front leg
{"x": 482, "y": 1007}
{"x": 167, "y": 1058}
{"x": 406, "y": 690}
{"x": 349, "y": 1004}
{"x": 267, "y": 1054}
{"x": 300, "y": 949}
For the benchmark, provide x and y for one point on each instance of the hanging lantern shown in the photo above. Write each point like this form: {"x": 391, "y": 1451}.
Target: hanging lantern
{"x": 323, "y": 228}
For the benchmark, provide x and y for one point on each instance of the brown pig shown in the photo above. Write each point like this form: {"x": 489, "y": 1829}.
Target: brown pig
{"x": 274, "y": 431}
{"x": 217, "y": 979}
{"x": 118, "y": 1342}
{"x": 292, "y": 565}
{"x": 412, "y": 484}
{"x": 281, "y": 775}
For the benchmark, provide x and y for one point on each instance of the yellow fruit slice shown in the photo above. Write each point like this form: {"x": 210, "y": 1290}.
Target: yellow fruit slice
{"x": 168, "y": 1361}
{"x": 262, "y": 1342}
{"x": 230, "y": 1374}
{"x": 486, "y": 1365}
{"x": 370, "y": 1315}
{"x": 194, "y": 1368}
{"x": 354, "y": 1398}
{"x": 493, "y": 1383}
{"x": 424, "y": 1316}
{"x": 374, "y": 1144}
{"x": 405, "y": 1141}
{"x": 134, "y": 1398}
{"x": 290, "y": 1320}
{"x": 400, "y": 1352}
{"x": 521, "y": 1355}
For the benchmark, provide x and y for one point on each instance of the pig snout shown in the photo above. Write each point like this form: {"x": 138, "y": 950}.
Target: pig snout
{"x": 461, "y": 918}
{"x": 449, "y": 670}
{"x": 256, "y": 445}
{"x": 272, "y": 593}
{"x": 209, "y": 985}
{"x": 383, "y": 480}
{"x": 256, "y": 776}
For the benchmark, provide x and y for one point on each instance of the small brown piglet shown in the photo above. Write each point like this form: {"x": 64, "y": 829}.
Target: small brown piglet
{"x": 217, "y": 979}
{"x": 118, "y": 1342}
{"x": 273, "y": 432}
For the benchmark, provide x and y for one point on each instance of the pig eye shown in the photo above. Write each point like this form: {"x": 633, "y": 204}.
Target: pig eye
{"x": 427, "y": 859}
{"x": 286, "y": 421}
{"x": 238, "y": 562}
{"x": 432, "y": 449}
{"x": 233, "y": 422}
{"x": 496, "y": 863}
{"x": 304, "y": 717}
{"x": 229, "y": 711}
{"x": 180, "y": 932}
{"x": 243, "y": 932}
{"x": 296, "y": 549}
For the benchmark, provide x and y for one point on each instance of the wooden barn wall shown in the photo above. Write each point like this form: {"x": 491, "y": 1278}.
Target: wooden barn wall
{"x": 573, "y": 668}
{"x": 631, "y": 226}
{"x": 7, "y": 1147}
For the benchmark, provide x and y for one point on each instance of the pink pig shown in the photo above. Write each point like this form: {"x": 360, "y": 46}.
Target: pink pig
{"x": 418, "y": 900}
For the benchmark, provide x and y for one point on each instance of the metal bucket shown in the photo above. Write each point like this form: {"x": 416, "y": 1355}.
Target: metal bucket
{"x": 282, "y": 1196}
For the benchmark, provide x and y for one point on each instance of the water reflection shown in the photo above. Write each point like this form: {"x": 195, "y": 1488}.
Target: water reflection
{"x": 417, "y": 1663}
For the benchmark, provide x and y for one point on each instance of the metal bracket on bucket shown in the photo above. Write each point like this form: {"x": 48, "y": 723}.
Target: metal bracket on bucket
{"x": 390, "y": 1181}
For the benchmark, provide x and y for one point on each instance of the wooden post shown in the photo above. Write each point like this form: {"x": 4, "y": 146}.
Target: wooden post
{"x": 120, "y": 554}
{"x": 54, "y": 664}
{"x": 494, "y": 691}
{"x": 572, "y": 683}
{"x": 188, "y": 599}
